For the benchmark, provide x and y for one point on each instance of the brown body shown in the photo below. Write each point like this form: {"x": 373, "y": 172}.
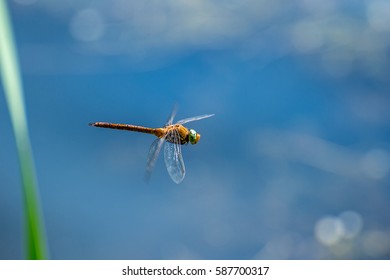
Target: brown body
{"x": 160, "y": 132}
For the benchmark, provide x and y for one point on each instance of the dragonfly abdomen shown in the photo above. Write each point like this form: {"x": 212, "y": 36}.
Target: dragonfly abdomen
{"x": 129, "y": 127}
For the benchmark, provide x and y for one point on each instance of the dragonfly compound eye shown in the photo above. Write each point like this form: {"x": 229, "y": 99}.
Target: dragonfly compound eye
{"x": 193, "y": 136}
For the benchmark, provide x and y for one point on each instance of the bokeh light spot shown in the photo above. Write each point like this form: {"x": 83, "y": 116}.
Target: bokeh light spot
{"x": 378, "y": 14}
{"x": 352, "y": 223}
{"x": 329, "y": 230}
{"x": 376, "y": 164}
{"x": 376, "y": 243}
{"x": 307, "y": 36}
{"x": 87, "y": 25}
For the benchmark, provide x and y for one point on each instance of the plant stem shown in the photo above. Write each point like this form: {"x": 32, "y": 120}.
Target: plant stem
{"x": 12, "y": 83}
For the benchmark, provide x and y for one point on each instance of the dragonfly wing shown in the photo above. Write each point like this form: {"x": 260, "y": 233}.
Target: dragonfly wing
{"x": 154, "y": 150}
{"x": 173, "y": 157}
{"x": 173, "y": 114}
{"x": 194, "y": 118}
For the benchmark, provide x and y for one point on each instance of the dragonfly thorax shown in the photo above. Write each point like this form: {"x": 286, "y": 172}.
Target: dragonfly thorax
{"x": 178, "y": 133}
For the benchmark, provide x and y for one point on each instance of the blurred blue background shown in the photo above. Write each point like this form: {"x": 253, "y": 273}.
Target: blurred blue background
{"x": 294, "y": 165}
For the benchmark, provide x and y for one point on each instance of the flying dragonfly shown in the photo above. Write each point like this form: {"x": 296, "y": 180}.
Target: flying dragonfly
{"x": 173, "y": 135}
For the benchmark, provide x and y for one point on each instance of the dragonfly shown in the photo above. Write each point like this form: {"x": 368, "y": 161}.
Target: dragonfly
{"x": 173, "y": 135}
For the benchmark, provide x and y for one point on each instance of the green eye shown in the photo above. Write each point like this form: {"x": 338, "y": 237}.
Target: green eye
{"x": 192, "y": 136}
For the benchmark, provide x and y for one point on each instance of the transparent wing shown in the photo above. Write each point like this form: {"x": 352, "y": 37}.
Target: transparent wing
{"x": 154, "y": 150}
{"x": 194, "y": 118}
{"x": 173, "y": 157}
{"x": 173, "y": 114}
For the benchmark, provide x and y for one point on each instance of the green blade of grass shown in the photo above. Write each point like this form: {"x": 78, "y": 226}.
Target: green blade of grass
{"x": 10, "y": 74}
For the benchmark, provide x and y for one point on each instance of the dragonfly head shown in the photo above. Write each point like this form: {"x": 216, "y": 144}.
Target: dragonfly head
{"x": 194, "y": 136}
